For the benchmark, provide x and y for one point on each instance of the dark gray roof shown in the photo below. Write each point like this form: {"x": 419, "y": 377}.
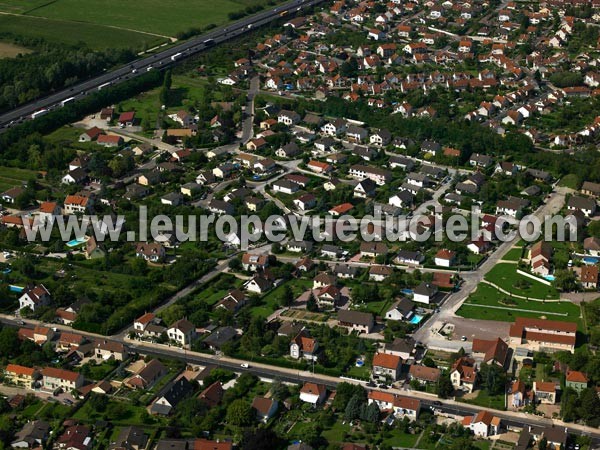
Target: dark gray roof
{"x": 220, "y": 336}
{"x": 355, "y": 317}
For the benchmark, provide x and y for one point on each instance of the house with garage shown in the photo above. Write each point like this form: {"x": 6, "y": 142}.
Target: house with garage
{"x": 400, "y": 406}
{"x": 545, "y": 392}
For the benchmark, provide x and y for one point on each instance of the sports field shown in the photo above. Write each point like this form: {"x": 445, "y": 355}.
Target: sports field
{"x": 113, "y": 23}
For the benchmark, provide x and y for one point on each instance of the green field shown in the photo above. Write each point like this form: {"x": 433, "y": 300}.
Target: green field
{"x": 477, "y": 307}
{"x": 11, "y": 177}
{"x": 505, "y": 276}
{"x": 112, "y": 23}
{"x": 71, "y": 33}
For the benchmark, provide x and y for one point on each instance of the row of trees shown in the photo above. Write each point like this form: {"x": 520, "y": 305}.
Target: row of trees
{"x": 51, "y": 67}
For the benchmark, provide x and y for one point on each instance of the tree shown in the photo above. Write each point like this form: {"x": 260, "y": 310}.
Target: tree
{"x": 444, "y": 387}
{"x": 493, "y": 378}
{"x": 353, "y": 408}
{"x": 565, "y": 280}
{"x": 239, "y": 413}
{"x": 590, "y": 407}
{"x": 311, "y": 304}
{"x": 287, "y": 297}
{"x": 369, "y": 413}
{"x": 260, "y": 439}
{"x": 9, "y": 342}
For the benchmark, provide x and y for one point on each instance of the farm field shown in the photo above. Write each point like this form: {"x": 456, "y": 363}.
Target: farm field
{"x": 97, "y": 37}
{"x": 110, "y": 23}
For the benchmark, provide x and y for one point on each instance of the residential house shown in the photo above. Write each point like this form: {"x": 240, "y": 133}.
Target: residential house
{"x": 400, "y": 310}
{"x": 212, "y": 395}
{"x": 584, "y": 204}
{"x": 424, "y": 374}
{"x": 545, "y": 392}
{"x": 220, "y": 337}
{"x": 304, "y": 346}
{"x": 463, "y": 374}
{"x": 482, "y": 424}
{"x": 356, "y": 321}
{"x": 75, "y": 437}
{"x": 34, "y": 296}
{"x": 171, "y": 395}
{"x": 589, "y": 277}
{"x": 77, "y": 204}
{"x": 265, "y": 408}
{"x": 182, "y": 332}
{"x": 576, "y": 380}
{"x": 21, "y": 375}
{"x": 147, "y": 375}
{"x": 386, "y": 367}
{"x": 445, "y": 258}
{"x": 130, "y": 438}
{"x": 153, "y": 252}
{"x": 254, "y": 263}
{"x": 493, "y": 351}
{"x": 33, "y": 435}
{"x": 400, "y": 406}
{"x": 66, "y": 380}
{"x": 313, "y": 393}
{"x": 233, "y": 301}
{"x": 105, "y": 350}
{"x": 425, "y": 293}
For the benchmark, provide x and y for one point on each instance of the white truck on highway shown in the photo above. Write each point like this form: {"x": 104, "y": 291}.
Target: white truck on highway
{"x": 66, "y": 101}
{"x": 39, "y": 113}
{"x": 102, "y": 86}
{"x": 175, "y": 56}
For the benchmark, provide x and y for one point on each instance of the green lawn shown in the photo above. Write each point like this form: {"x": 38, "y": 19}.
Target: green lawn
{"x": 514, "y": 254}
{"x": 489, "y": 401}
{"x": 270, "y": 302}
{"x": 97, "y": 37}
{"x": 186, "y": 91}
{"x": 505, "y": 276}
{"x": 487, "y": 295}
{"x": 212, "y": 294}
{"x": 571, "y": 181}
{"x": 11, "y": 177}
{"x": 165, "y": 17}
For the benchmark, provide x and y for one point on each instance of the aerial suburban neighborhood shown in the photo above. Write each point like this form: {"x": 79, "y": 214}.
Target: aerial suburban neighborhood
{"x": 146, "y": 163}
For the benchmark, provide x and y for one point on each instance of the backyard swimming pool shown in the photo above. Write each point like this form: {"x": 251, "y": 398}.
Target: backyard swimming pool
{"x": 77, "y": 242}
{"x": 416, "y": 319}
{"x": 17, "y": 289}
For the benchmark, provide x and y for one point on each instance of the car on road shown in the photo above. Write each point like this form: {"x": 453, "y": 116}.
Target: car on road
{"x": 463, "y": 338}
{"x": 371, "y": 384}
{"x": 383, "y": 386}
{"x": 437, "y": 403}
{"x": 244, "y": 365}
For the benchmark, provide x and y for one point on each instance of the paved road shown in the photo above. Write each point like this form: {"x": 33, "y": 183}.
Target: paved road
{"x": 472, "y": 279}
{"x": 158, "y": 61}
{"x": 296, "y": 376}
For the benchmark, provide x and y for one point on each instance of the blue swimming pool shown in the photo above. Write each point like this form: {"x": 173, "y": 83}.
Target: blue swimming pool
{"x": 17, "y": 289}
{"x": 77, "y": 242}
{"x": 416, "y": 319}
{"x": 590, "y": 260}
{"x": 360, "y": 363}
{"x": 407, "y": 291}
{"x": 549, "y": 277}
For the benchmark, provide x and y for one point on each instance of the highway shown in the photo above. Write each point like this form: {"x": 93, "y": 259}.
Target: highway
{"x": 157, "y": 61}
